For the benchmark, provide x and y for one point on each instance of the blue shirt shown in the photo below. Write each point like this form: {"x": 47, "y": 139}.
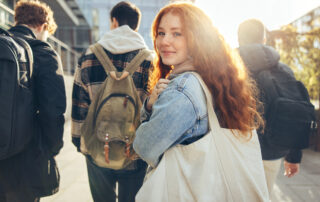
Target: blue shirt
{"x": 179, "y": 116}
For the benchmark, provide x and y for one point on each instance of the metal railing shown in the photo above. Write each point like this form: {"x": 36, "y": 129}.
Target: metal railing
{"x": 68, "y": 56}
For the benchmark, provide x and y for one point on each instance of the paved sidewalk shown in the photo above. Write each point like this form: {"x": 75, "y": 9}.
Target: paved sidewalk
{"x": 74, "y": 187}
{"x": 304, "y": 187}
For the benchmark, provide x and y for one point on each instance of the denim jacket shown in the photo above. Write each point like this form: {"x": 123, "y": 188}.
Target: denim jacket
{"x": 179, "y": 116}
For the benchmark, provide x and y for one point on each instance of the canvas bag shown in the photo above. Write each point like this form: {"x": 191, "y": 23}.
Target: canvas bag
{"x": 218, "y": 167}
{"x": 114, "y": 114}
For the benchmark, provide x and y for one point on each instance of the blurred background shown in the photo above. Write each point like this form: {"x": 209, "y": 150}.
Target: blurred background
{"x": 293, "y": 29}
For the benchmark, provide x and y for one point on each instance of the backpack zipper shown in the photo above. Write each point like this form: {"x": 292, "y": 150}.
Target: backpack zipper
{"x": 127, "y": 97}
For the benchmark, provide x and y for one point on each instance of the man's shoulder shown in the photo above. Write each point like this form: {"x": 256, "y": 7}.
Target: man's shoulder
{"x": 150, "y": 55}
{"x": 127, "y": 57}
{"x": 285, "y": 68}
{"x": 45, "y": 58}
{"x": 88, "y": 51}
{"x": 42, "y": 48}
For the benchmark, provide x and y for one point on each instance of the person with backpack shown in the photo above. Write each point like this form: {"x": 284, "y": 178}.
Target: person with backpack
{"x": 31, "y": 172}
{"x": 288, "y": 113}
{"x": 110, "y": 84}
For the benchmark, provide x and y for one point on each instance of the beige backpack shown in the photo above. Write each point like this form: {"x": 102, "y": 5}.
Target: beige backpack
{"x": 114, "y": 114}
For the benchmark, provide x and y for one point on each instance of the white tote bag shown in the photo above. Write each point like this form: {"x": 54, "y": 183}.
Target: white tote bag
{"x": 219, "y": 167}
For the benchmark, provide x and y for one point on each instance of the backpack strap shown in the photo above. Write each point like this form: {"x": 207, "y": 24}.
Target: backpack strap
{"x": 27, "y": 47}
{"x": 5, "y": 32}
{"x": 137, "y": 60}
{"x": 103, "y": 58}
{"x": 110, "y": 69}
{"x": 22, "y": 42}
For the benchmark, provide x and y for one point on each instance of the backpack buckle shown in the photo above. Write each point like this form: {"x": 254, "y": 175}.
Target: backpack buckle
{"x": 313, "y": 125}
{"x": 125, "y": 102}
{"x": 106, "y": 148}
{"x": 115, "y": 77}
{"x": 127, "y": 147}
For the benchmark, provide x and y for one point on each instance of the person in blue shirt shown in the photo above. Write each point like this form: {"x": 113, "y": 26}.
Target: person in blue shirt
{"x": 185, "y": 40}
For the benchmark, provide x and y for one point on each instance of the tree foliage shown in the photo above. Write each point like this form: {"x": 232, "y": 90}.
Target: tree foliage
{"x": 301, "y": 51}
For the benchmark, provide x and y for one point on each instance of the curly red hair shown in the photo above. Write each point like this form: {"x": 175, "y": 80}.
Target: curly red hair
{"x": 221, "y": 68}
{"x": 34, "y": 13}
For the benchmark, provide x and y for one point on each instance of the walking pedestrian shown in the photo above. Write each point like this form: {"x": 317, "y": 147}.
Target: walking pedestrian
{"x": 119, "y": 46}
{"x": 33, "y": 173}
{"x": 259, "y": 57}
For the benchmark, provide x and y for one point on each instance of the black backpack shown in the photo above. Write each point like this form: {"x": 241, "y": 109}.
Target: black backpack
{"x": 289, "y": 114}
{"x": 17, "y": 109}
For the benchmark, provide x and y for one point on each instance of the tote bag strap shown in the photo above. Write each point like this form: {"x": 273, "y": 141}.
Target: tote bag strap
{"x": 218, "y": 139}
{"x": 213, "y": 119}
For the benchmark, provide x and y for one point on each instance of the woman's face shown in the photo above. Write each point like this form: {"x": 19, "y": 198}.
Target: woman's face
{"x": 171, "y": 41}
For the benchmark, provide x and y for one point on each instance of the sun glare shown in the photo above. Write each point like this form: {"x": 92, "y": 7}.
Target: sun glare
{"x": 228, "y": 14}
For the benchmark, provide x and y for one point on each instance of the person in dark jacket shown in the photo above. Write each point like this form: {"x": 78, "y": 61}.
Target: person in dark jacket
{"x": 33, "y": 173}
{"x": 258, "y": 56}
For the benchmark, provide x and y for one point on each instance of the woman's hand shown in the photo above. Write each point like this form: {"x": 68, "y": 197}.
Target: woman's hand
{"x": 161, "y": 85}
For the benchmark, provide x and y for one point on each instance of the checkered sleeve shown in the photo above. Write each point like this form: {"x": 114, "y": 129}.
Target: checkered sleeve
{"x": 80, "y": 104}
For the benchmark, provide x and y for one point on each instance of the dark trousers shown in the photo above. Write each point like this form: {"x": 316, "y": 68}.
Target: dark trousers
{"x": 18, "y": 197}
{"x": 22, "y": 196}
{"x": 102, "y": 182}
{"x": 2, "y": 195}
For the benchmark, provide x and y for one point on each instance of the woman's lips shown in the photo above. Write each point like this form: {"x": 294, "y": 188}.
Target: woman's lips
{"x": 167, "y": 53}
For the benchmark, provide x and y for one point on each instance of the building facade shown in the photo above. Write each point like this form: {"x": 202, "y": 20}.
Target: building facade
{"x": 73, "y": 33}
{"x": 308, "y": 21}
{"x": 97, "y": 14}
{"x": 73, "y": 28}
{"x": 83, "y": 22}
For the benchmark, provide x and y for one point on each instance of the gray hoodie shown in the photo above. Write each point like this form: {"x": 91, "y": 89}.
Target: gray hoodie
{"x": 122, "y": 40}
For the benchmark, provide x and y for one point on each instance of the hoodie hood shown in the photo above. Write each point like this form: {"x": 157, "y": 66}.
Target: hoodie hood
{"x": 257, "y": 57}
{"x": 122, "y": 40}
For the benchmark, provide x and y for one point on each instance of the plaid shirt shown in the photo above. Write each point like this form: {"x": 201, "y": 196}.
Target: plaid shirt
{"x": 89, "y": 77}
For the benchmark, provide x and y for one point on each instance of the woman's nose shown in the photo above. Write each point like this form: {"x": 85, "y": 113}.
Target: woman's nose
{"x": 166, "y": 40}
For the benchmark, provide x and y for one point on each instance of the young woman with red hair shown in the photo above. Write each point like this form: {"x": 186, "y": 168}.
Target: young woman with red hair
{"x": 176, "y": 113}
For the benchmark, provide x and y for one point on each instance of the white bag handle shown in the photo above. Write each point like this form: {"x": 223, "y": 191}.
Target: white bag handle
{"x": 214, "y": 123}
{"x": 217, "y": 139}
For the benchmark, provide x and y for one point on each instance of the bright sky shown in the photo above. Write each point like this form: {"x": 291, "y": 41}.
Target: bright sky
{"x": 228, "y": 14}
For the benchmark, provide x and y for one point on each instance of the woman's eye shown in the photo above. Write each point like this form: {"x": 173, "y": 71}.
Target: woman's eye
{"x": 176, "y": 34}
{"x": 161, "y": 33}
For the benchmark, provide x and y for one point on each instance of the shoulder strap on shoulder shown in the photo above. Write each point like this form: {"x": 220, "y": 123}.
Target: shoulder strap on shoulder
{"x": 103, "y": 58}
{"x": 27, "y": 47}
{"x": 3, "y": 31}
{"x": 22, "y": 42}
{"x": 137, "y": 60}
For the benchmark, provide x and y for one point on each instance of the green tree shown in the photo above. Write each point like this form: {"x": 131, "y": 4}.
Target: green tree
{"x": 301, "y": 51}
